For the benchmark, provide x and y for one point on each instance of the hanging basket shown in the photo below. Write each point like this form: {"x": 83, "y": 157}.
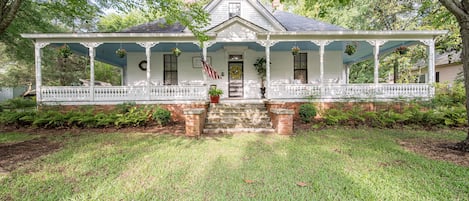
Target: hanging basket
{"x": 402, "y": 50}
{"x": 64, "y": 51}
{"x": 295, "y": 50}
{"x": 176, "y": 51}
{"x": 121, "y": 52}
{"x": 350, "y": 49}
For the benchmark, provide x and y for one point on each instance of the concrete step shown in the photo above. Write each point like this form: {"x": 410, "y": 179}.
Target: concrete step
{"x": 238, "y": 125}
{"x": 238, "y": 114}
{"x": 222, "y": 119}
{"x": 239, "y": 130}
{"x": 237, "y": 105}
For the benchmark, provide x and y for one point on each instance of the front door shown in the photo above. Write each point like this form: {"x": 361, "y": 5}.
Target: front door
{"x": 235, "y": 79}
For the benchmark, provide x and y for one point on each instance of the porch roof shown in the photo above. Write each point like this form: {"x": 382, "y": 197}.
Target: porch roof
{"x": 187, "y": 42}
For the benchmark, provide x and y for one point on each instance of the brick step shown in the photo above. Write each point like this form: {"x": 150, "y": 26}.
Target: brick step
{"x": 239, "y": 130}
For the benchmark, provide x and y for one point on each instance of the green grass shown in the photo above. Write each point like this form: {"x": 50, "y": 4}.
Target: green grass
{"x": 335, "y": 164}
{"x": 15, "y": 137}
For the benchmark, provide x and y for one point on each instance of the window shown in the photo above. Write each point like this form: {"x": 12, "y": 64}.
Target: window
{"x": 170, "y": 69}
{"x": 234, "y": 9}
{"x": 300, "y": 67}
{"x": 421, "y": 79}
{"x": 437, "y": 77}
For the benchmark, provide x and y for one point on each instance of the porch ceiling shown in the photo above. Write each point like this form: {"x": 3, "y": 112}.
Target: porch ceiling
{"x": 185, "y": 42}
{"x": 106, "y": 52}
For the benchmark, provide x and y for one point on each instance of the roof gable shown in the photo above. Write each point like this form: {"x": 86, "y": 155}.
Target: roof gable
{"x": 251, "y": 10}
{"x": 236, "y": 29}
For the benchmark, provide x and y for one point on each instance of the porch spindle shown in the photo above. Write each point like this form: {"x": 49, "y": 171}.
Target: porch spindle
{"x": 148, "y": 46}
{"x": 91, "y": 49}
{"x": 377, "y": 44}
{"x": 38, "y": 61}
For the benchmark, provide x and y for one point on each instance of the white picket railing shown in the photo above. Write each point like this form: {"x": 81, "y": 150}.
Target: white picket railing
{"x": 351, "y": 91}
{"x": 123, "y": 93}
{"x": 279, "y": 91}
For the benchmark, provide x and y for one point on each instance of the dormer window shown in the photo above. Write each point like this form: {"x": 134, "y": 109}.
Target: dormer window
{"x": 234, "y": 9}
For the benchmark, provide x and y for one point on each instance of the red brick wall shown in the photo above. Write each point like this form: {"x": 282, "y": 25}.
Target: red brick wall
{"x": 367, "y": 106}
{"x": 177, "y": 114}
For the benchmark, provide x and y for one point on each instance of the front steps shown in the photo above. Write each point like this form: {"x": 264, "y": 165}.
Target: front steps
{"x": 238, "y": 118}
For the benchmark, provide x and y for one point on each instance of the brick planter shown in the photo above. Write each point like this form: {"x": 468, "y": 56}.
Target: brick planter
{"x": 195, "y": 120}
{"x": 282, "y": 121}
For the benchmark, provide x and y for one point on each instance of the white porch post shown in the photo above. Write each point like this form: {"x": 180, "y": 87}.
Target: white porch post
{"x": 148, "y": 46}
{"x": 322, "y": 44}
{"x": 431, "y": 59}
{"x": 345, "y": 73}
{"x": 376, "y": 43}
{"x": 204, "y": 46}
{"x": 91, "y": 50}
{"x": 267, "y": 44}
{"x": 38, "y": 61}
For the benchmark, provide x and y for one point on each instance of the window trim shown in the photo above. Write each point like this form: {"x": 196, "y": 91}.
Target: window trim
{"x": 229, "y": 9}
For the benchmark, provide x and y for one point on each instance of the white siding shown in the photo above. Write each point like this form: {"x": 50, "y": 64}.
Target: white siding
{"x": 281, "y": 67}
{"x": 248, "y": 12}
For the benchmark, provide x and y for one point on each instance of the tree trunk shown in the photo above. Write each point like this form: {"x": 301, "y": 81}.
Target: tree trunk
{"x": 8, "y": 13}
{"x": 465, "y": 60}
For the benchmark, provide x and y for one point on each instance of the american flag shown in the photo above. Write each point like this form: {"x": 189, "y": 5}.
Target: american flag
{"x": 210, "y": 71}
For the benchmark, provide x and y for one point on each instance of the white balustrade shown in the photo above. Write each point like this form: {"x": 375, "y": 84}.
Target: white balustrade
{"x": 278, "y": 91}
{"x": 123, "y": 93}
{"x": 351, "y": 91}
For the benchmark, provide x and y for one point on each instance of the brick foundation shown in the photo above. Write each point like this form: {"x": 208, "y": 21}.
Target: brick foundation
{"x": 177, "y": 110}
{"x": 366, "y": 106}
{"x": 195, "y": 121}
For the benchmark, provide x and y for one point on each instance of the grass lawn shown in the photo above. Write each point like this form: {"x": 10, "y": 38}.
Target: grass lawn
{"x": 333, "y": 164}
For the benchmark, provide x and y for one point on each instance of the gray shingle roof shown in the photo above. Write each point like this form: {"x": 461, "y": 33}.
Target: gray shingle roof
{"x": 290, "y": 21}
{"x": 158, "y": 26}
{"x": 293, "y": 22}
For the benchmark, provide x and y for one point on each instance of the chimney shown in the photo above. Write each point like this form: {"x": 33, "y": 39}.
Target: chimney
{"x": 277, "y": 5}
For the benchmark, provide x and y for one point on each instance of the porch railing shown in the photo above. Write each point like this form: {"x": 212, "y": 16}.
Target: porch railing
{"x": 351, "y": 91}
{"x": 122, "y": 93}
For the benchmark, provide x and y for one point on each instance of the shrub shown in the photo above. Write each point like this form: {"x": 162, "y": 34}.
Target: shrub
{"x": 335, "y": 117}
{"x": 20, "y": 103}
{"x": 161, "y": 116}
{"x": 307, "y": 112}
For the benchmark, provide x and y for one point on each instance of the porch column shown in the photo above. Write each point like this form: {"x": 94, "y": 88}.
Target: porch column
{"x": 431, "y": 59}
{"x": 322, "y": 44}
{"x": 267, "y": 44}
{"x": 148, "y": 46}
{"x": 376, "y": 43}
{"x": 91, "y": 50}
{"x": 204, "y": 46}
{"x": 347, "y": 73}
{"x": 38, "y": 61}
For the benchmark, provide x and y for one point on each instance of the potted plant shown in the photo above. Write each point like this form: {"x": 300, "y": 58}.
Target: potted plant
{"x": 121, "y": 52}
{"x": 176, "y": 51}
{"x": 261, "y": 66}
{"x": 402, "y": 50}
{"x": 295, "y": 50}
{"x": 65, "y": 51}
{"x": 215, "y": 94}
{"x": 350, "y": 48}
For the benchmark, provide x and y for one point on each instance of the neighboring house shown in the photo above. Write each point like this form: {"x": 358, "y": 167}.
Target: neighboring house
{"x": 240, "y": 31}
{"x": 447, "y": 67}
